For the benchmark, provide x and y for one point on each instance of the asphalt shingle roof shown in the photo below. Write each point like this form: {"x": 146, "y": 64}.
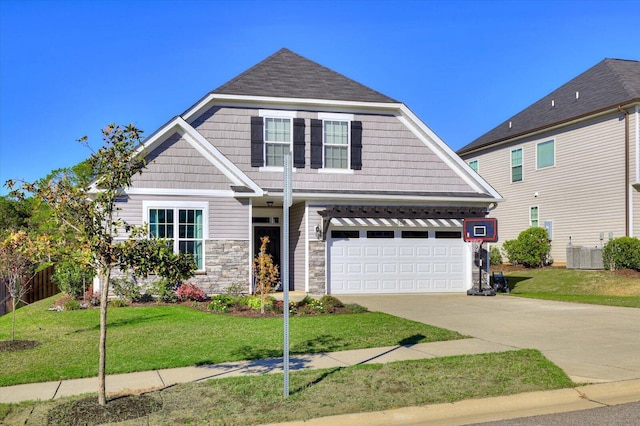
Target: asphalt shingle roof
{"x": 606, "y": 85}
{"x": 286, "y": 74}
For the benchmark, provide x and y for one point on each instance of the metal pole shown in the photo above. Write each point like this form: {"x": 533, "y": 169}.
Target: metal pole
{"x": 287, "y": 201}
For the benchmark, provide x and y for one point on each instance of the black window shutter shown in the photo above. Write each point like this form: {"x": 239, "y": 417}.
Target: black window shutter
{"x": 298, "y": 142}
{"x": 316, "y": 144}
{"x": 356, "y": 145}
{"x": 257, "y": 135}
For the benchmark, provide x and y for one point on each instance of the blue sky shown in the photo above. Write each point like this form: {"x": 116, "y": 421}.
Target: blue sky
{"x": 68, "y": 68}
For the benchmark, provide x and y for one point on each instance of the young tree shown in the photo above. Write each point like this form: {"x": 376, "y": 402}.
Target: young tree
{"x": 19, "y": 257}
{"x": 90, "y": 211}
{"x": 265, "y": 272}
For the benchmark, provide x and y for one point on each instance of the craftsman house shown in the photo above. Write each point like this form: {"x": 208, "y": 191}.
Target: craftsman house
{"x": 377, "y": 198}
{"x": 571, "y": 161}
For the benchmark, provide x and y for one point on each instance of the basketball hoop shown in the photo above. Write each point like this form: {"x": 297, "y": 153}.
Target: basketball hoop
{"x": 476, "y": 243}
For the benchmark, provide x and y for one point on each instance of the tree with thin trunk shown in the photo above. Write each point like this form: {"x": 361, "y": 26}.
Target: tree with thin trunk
{"x": 90, "y": 212}
{"x": 19, "y": 257}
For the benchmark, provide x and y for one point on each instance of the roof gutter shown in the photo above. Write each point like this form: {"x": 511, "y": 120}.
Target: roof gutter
{"x": 627, "y": 188}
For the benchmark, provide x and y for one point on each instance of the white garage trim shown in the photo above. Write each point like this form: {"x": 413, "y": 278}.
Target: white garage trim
{"x": 422, "y": 223}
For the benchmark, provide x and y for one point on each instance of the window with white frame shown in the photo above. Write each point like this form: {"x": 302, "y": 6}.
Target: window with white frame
{"x": 336, "y": 144}
{"x": 545, "y": 154}
{"x": 474, "y": 165}
{"x": 277, "y": 140}
{"x": 183, "y": 226}
{"x": 534, "y": 217}
{"x": 516, "y": 165}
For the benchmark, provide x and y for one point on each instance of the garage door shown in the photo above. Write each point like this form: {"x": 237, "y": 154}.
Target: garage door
{"x": 396, "y": 261}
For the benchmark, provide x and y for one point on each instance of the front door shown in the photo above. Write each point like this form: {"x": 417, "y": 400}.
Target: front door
{"x": 273, "y": 232}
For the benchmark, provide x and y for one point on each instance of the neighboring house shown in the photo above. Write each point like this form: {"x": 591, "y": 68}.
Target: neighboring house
{"x": 378, "y": 198}
{"x": 570, "y": 162}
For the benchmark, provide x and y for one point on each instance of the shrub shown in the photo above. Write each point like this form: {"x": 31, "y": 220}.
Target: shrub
{"x": 71, "y": 278}
{"x": 117, "y": 303}
{"x": 71, "y": 305}
{"x": 309, "y": 306}
{"x": 235, "y": 289}
{"x": 530, "y": 249}
{"x": 255, "y": 302}
{"x": 92, "y": 298}
{"x": 622, "y": 253}
{"x": 495, "y": 256}
{"x": 164, "y": 290}
{"x": 125, "y": 288}
{"x": 189, "y": 291}
{"x": 331, "y": 301}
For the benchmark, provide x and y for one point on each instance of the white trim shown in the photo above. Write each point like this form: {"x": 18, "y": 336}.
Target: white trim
{"x": 277, "y": 113}
{"x": 306, "y": 248}
{"x": 198, "y": 142}
{"x": 637, "y": 120}
{"x": 336, "y": 171}
{"x": 392, "y": 222}
{"x": 185, "y": 192}
{"x": 250, "y": 257}
{"x": 372, "y": 197}
{"x": 335, "y": 116}
{"x": 446, "y": 154}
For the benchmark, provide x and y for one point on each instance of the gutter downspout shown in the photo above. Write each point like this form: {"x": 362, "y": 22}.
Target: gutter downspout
{"x": 627, "y": 204}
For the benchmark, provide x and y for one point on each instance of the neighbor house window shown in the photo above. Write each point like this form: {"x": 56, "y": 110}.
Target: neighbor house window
{"x": 534, "y": 220}
{"x": 545, "y": 154}
{"x": 474, "y": 165}
{"x": 336, "y": 144}
{"x": 277, "y": 140}
{"x": 516, "y": 165}
{"x": 183, "y": 228}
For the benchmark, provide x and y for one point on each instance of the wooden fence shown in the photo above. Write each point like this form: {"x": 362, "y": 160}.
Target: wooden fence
{"x": 41, "y": 288}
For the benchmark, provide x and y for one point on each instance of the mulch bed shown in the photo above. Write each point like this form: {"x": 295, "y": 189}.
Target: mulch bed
{"x": 17, "y": 345}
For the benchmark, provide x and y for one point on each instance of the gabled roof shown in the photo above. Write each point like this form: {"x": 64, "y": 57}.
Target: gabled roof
{"x": 286, "y": 74}
{"x": 608, "y": 84}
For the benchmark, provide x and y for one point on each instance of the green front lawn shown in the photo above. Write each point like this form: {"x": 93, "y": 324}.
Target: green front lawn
{"x": 156, "y": 337}
{"x": 567, "y": 285}
{"x": 251, "y": 400}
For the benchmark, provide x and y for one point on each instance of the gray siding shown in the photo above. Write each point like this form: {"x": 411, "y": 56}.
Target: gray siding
{"x": 175, "y": 164}
{"x": 298, "y": 246}
{"x": 582, "y": 194}
{"x": 229, "y": 218}
{"x": 393, "y": 158}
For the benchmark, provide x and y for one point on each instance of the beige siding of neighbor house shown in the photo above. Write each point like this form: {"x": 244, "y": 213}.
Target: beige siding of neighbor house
{"x": 175, "y": 164}
{"x": 393, "y": 158}
{"x": 582, "y": 194}
{"x": 634, "y": 168}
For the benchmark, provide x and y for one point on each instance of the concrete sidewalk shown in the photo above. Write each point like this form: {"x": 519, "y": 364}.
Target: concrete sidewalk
{"x": 147, "y": 380}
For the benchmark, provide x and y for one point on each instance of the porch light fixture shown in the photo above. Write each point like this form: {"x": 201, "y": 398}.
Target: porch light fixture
{"x": 269, "y": 203}
{"x": 318, "y": 232}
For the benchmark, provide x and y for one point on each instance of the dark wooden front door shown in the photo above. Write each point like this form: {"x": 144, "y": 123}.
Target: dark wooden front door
{"x": 273, "y": 232}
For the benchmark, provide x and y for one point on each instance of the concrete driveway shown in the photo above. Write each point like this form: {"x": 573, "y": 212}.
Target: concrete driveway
{"x": 590, "y": 343}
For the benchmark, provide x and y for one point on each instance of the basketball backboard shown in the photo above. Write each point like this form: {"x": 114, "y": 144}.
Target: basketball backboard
{"x": 481, "y": 228}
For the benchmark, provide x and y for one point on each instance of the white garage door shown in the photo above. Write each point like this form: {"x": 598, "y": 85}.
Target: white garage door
{"x": 396, "y": 261}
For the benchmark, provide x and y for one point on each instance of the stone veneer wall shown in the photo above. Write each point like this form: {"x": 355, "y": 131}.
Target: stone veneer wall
{"x": 226, "y": 263}
{"x": 317, "y": 267}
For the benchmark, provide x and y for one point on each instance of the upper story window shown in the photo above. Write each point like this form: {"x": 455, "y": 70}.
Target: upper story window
{"x": 274, "y": 133}
{"x": 516, "y": 165}
{"x": 474, "y": 165}
{"x": 336, "y": 144}
{"x": 277, "y": 140}
{"x": 545, "y": 154}
{"x": 182, "y": 225}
